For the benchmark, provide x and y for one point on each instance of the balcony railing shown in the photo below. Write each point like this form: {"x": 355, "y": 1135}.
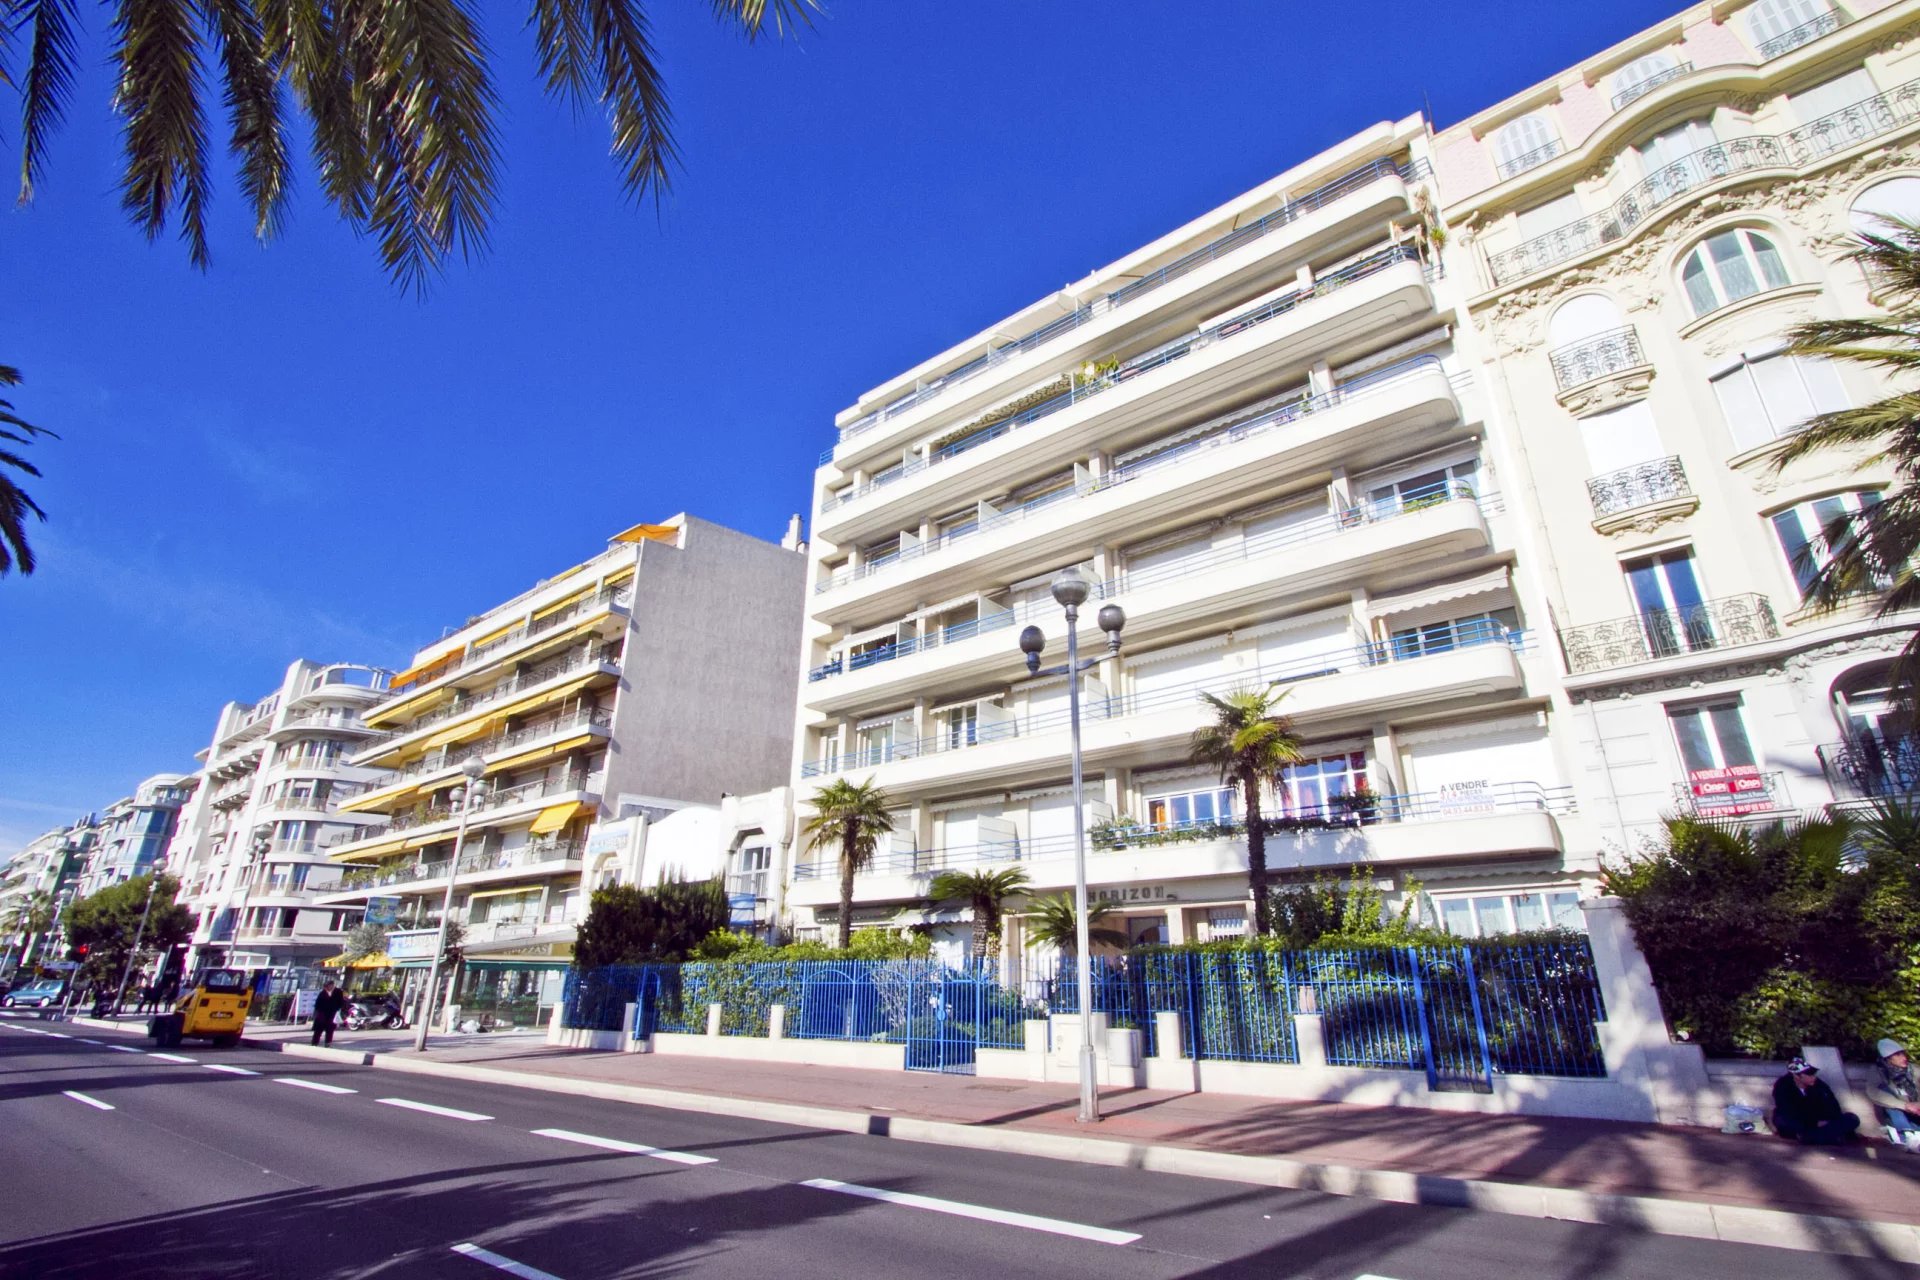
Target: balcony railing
{"x": 1731, "y": 793}
{"x": 1872, "y": 766}
{"x": 1807, "y": 32}
{"x": 1640, "y": 485}
{"x": 1531, "y": 160}
{"x": 614, "y": 597}
{"x": 1281, "y": 217}
{"x": 1361, "y": 656}
{"x": 439, "y": 761}
{"x": 527, "y": 855}
{"x": 1597, "y": 357}
{"x": 1666, "y": 633}
{"x": 591, "y": 655}
{"x": 1226, "y": 430}
{"x": 408, "y": 819}
{"x": 1809, "y": 144}
{"x": 1329, "y": 526}
{"x": 1133, "y": 368}
{"x": 1640, "y": 88}
{"x": 1423, "y": 806}
{"x": 331, "y": 720}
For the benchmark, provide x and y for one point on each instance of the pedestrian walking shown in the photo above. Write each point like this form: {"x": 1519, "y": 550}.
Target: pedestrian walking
{"x": 326, "y": 1008}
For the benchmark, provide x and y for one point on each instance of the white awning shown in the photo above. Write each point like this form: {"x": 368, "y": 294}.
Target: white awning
{"x": 1439, "y": 593}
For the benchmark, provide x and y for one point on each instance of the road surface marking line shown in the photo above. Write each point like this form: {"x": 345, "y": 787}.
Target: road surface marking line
{"x": 84, "y": 1040}
{"x": 170, "y": 1057}
{"x": 631, "y": 1148}
{"x": 122, "y": 1048}
{"x": 315, "y": 1085}
{"x": 507, "y": 1265}
{"x": 92, "y": 1102}
{"x": 57, "y": 1035}
{"x": 432, "y": 1110}
{"x": 1100, "y": 1235}
{"x": 232, "y": 1071}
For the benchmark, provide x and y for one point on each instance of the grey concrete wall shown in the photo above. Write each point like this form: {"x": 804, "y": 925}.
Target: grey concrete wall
{"x": 712, "y": 668}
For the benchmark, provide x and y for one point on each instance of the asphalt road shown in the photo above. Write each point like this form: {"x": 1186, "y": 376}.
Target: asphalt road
{"x": 210, "y": 1163}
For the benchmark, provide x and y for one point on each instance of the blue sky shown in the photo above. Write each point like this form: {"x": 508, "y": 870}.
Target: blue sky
{"x": 284, "y": 457}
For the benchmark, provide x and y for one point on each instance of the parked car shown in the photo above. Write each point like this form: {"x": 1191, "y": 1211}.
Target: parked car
{"x": 35, "y": 995}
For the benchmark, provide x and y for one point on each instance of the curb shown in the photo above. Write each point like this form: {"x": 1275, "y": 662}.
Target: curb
{"x": 1734, "y": 1224}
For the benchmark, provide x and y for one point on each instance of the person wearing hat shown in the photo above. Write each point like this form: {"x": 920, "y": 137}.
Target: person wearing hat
{"x": 1897, "y": 1095}
{"x": 1805, "y": 1108}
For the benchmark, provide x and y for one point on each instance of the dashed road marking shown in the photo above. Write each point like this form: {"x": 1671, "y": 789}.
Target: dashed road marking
{"x": 92, "y": 1102}
{"x": 124, "y": 1048}
{"x": 432, "y": 1110}
{"x": 170, "y": 1057}
{"x": 631, "y": 1148}
{"x": 505, "y": 1264}
{"x": 84, "y": 1040}
{"x": 314, "y": 1085}
{"x": 1006, "y": 1217}
{"x": 232, "y": 1071}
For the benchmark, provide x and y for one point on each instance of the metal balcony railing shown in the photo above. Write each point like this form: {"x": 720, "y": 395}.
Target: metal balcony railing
{"x": 590, "y": 655}
{"x": 1640, "y": 485}
{"x": 1597, "y": 357}
{"x": 1807, "y": 32}
{"x": 444, "y": 758}
{"x": 537, "y": 854}
{"x": 1084, "y": 389}
{"x": 615, "y": 597}
{"x": 1422, "y": 806}
{"x": 1289, "y": 540}
{"x": 1531, "y": 160}
{"x": 1666, "y": 633}
{"x": 330, "y": 720}
{"x": 1641, "y": 88}
{"x": 1809, "y": 144}
{"x": 1872, "y": 766}
{"x": 1361, "y": 656}
{"x": 1731, "y": 793}
{"x": 409, "y": 819}
{"x": 1281, "y": 217}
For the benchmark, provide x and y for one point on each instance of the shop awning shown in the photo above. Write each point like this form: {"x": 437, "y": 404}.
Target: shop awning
{"x": 555, "y": 816}
{"x": 1422, "y": 597}
{"x": 379, "y": 960}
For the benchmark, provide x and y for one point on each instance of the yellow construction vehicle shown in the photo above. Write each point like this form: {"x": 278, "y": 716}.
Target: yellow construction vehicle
{"x": 214, "y": 1009}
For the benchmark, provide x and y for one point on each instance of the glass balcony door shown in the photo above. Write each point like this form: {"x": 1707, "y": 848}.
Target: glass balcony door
{"x": 1666, "y": 593}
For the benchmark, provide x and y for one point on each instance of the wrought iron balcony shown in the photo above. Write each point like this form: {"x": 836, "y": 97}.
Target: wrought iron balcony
{"x": 1807, "y": 32}
{"x": 1641, "y": 88}
{"x": 1531, "y": 160}
{"x": 1809, "y": 144}
{"x": 1665, "y": 633}
{"x": 1598, "y": 356}
{"x": 1871, "y": 767}
{"x": 1640, "y": 485}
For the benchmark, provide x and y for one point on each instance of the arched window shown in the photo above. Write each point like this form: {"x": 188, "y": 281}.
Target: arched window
{"x": 1776, "y": 26}
{"x": 1642, "y": 75}
{"x": 1896, "y": 198}
{"x": 1581, "y": 318}
{"x": 1730, "y": 266}
{"x": 1523, "y": 144}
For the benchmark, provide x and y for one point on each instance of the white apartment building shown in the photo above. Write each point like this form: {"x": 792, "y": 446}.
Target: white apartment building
{"x": 50, "y": 864}
{"x": 251, "y": 850}
{"x": 1635, "y": 235}
{"x": 134, "y": 832}
{"x": 656, "y": 675}
{"x": 1259, "y": 436}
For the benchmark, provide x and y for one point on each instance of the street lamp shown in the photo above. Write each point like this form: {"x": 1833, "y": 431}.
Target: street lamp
{"x": 465, "y": 799}
{"x": 256, "y": 861}
{"x": 159, "y": 864}
{"x": 1071, "y": 591}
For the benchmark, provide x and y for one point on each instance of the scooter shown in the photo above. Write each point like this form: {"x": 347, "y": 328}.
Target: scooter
{"x": 376, "y": 1011}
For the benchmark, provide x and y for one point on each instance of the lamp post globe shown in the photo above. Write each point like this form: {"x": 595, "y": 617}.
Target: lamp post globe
{"x": 1070, "y": 590}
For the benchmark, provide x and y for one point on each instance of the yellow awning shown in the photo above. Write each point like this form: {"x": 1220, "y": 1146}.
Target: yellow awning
{"x": 406, "y": 705}
{"x": 379, "y": 960}
{"x": 541, "y": 753}
{"x": 369, "y": 800}
{"x": 421, "y": 842}
{"x": 372, "y": 850}
{"x": 491, "y": 636}
{"x": 561, "y": 603}
{"x": 446, "y": 737}
{"x": 501, "y": 893}
{"x": 555, "y": 816}
{"x": 420, "y": 669}
{"x": 647, "y": 533}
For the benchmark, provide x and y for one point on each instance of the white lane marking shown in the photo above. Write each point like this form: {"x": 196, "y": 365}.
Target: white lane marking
{"x": 123, "y": 1048}
{"x": 84, "y": 1040}
{"x": 170, "y": 1057}
{"x": 315, "y": 1085}
{"x": 631, "y": 1148}
{"x": 57, "y": 1035}
{"x": 1100, "y": 1235}
{"x": 432, "y": 1110}
{"x": 232, "y": 1071}
{"x": 507, "y": 1265}
{"x": 92, "y": 1102}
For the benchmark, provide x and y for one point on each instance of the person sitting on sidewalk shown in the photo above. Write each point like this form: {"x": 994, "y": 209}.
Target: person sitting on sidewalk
{"x": 1897, "y": 1095}
{"x": 1805, "y": 1108}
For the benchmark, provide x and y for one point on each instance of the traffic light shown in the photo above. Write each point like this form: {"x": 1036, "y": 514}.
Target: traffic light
{"x": 78, "y": 951}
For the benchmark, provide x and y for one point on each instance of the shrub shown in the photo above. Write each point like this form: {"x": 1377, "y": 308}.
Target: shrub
{"x": 629, "y": 925}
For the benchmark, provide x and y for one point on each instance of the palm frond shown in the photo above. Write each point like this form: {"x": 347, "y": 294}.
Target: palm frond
{"x": 251, "y": 93}
{"x": 754, "y": 17}
{"x": 563, "y": 39}
{"x": 47, "y": 83}
{"x": 165, "y": 132}
{"x": 15, "y": 507}
{"x": 634, "y": 94}
{"x": 305, "y": 39}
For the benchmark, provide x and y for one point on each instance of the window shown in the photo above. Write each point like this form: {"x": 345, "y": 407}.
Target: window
{"x": 1179, "y": 808}
{"x": 1660, "y": 154}
{"x": 1621, "y": 438}
{"x": 1487, "y": 914}
{"x": 1422, "y": 490}
{"x": 1667, "y": 595}
{"x": 1637, "y": 73}
{"x": 1551, "y": 216}
{"x": 1803, "y": 533}
{"x": 1439, "y": 637}
{"x": 750, "y": 867}
{"x": 1771, "y": 396}
{"x": 1879, "y": 206}
{"x": 959, "y": 726}
{"x": 1711, "y": 737}
{"x": 1730, "y": 266}
{"x": 1768, "y": 20}
{"x": 1523, "y": 144}
{"x": 1581, "y": 318}
{"x": 1832, "y": 96}
{"x": 1226, "y": 922}
{"x": 1310, "y": 789}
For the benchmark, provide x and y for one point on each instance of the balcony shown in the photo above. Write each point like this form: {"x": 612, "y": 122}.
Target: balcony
{"x": 1531, "y": 160}
{"x": 1133, "y": 291}
{"x": 1807, "y": 32}
{"x": 328, "y": 722}
{"x": 1808, "y": 145}
{"x": 1669, "y": 633}
{"x": 1598, "y": 357}
{"x": 587, "y": 661}
{"x": 443, "y": 760}
{"x": 1079, "y": 389}
{"x": 545, "y": 856}
{"x": 1640, "y": 89}
{"x": 1372, "y": 416}
{"x": 1367, "y": 679}
{"x": 1645, "y": 484}
{"x": 1340, "y": 548}
{"x": 1872, "y": 767}
{"x": 1503, "y": 819}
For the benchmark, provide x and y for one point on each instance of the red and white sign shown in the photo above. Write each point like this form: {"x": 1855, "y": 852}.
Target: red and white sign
{"x": 1726, "y": 792}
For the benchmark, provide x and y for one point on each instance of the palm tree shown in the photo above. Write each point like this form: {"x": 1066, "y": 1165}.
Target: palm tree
{"x": 849, "y": 817}
{"x": 32, "y": 916}
{"x": 1053, "y": 920}
{"x": 987, "y": 891}
{"x": 1249, "y": 742}
{"x": 15, "y": 505}
{"x": 1873, "y": 550}
{"x": 396, "y": 94}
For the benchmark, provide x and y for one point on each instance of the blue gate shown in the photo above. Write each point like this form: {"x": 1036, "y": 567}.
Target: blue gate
{"x": 946, "y": 1010}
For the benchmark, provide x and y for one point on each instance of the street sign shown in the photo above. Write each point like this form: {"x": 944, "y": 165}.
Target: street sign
{"x": 61, "y": 966}
{"x": 383, "y": 911}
